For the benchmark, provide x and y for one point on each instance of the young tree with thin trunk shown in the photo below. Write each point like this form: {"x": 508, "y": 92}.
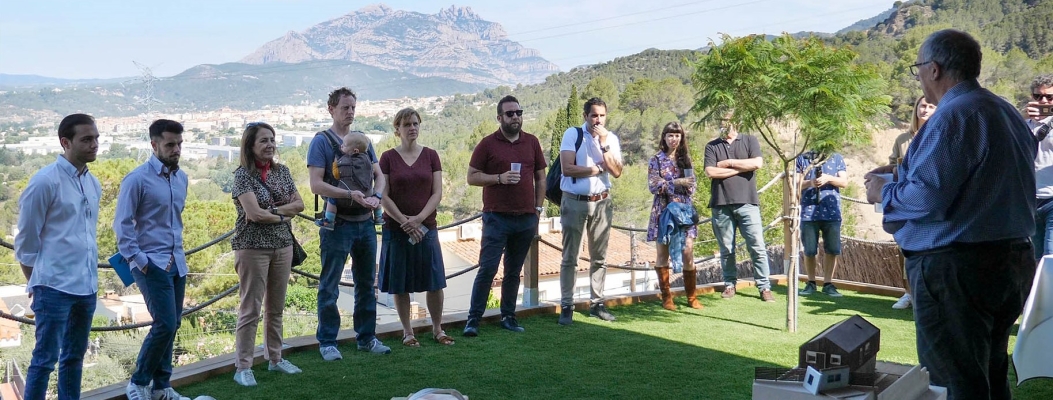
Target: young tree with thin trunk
{"x": 798, "y": 95}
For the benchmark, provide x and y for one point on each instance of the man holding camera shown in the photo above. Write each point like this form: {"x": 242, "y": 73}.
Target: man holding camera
{"x": 821, "y": 213}
{"x": 1039, "y": 118}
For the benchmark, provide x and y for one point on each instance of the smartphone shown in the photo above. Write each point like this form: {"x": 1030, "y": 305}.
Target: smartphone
{"x": 423, "y": 231}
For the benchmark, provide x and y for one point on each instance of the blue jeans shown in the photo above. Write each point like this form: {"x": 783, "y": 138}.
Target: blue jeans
{"x": 1043, "y": 239}
{"x": 359, "y": 239}
{"x": 62, "y": 324}
{"x": 508, "y": 235}
{"x": 966, "y": 302}
{"x": 747, "y": 218}
{"x": 163, "y": 292}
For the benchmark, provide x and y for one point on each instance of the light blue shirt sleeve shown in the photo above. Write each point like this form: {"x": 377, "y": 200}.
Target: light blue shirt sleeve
{"x": 128, "y": 200}
{"x": 33, "y": 207}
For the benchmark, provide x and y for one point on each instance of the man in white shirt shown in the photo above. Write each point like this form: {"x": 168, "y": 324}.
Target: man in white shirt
{"x": 57, "y": 249}
{"x": 586, "y": 208}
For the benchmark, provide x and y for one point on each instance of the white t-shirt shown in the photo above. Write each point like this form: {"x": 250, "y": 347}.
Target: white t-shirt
{"x": 588, "y": 155}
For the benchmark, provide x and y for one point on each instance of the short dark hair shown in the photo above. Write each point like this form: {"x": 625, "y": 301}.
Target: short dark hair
{"x": 67, "y": 128}
{"x": 957, "y": 53}
{"x": 506, "y": 99}
{"x": 334, "y": 96}
{"x": 1044, "y": 80}
{"x": 159, "y": 127}
{"x": 595, "y": 101}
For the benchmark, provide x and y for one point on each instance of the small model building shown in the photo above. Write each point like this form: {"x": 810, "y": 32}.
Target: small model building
{"x": 841, "y": 362}
{"x": 853, "y": 342}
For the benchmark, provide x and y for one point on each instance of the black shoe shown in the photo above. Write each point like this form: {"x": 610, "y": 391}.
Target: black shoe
{"x": 566, "y": 315}
{"x": 600, "y": 311}
{"x": 510, "y": 323}
{"x": 471, "y": 328}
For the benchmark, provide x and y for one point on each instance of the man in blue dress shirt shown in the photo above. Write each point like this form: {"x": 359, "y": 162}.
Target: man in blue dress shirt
{"x": 149, "y": 227}
{"x": 56, "y": 247}
{"x": 961, "y": 211}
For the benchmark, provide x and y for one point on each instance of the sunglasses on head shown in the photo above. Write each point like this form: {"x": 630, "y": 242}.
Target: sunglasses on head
{"x": 252, "y": 124}
{"x": 1040, "y": 97}
{"x": 510, "y": 114}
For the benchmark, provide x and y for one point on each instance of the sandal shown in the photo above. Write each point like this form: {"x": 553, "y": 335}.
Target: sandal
{"x": 444, "y": 339}
{"x": 410, "y": 341}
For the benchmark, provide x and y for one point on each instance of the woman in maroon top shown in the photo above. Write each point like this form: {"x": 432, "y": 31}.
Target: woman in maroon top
{"x": 410, "y": 256}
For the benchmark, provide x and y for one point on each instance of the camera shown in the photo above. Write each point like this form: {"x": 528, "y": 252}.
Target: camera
{"x": 1045, "y": 110}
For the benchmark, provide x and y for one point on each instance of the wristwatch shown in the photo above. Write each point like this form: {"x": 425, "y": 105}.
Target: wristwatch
{"x": 540, "y": 210}
{"x": 378, "y": 195}
{"x": 605, "y": 148}
{"x": 274, "y": 210}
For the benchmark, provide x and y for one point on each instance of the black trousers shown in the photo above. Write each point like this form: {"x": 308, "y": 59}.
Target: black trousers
{"x": 966, "y": 299}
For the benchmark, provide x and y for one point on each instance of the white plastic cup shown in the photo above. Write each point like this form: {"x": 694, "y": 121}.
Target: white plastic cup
{"x": 516, "y": 167}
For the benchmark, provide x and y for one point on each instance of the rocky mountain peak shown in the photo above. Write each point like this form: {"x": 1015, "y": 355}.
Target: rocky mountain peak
{"x": 454, "y": 43}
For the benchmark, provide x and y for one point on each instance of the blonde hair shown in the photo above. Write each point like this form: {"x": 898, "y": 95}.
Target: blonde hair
{"x": 356, "y": 140}
{"x": 915, "y": 122}
{"x": 403, "y": 115}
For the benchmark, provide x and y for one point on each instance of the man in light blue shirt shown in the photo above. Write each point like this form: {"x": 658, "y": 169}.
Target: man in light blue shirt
{"x": 961, "y": 211}
{"x": 57, "y": 249}
{"x": 149, "y": 227}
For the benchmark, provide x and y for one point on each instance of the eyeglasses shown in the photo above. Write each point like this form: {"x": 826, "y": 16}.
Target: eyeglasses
{"x": 517, "y": 113}
{"x": 1040, "y": 97}
{"x": 914, "y": 68}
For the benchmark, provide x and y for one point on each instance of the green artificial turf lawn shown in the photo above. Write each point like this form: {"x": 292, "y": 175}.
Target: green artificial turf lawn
{"x": 648, "y": 353}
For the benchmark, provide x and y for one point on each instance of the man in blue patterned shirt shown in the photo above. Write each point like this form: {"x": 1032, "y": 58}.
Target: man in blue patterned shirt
{"x": 821, "y": 213}
{"x": 962, "y": 213}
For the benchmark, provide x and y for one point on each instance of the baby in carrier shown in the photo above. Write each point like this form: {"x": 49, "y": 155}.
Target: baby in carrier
{"x": 353, "y": 171}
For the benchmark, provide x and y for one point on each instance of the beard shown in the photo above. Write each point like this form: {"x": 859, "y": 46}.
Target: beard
{"x": 170, "y": 162}
{"x": 512, "y": 128}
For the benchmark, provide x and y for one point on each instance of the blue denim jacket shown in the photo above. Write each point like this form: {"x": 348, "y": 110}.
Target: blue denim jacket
{"x": 673, "y": 224}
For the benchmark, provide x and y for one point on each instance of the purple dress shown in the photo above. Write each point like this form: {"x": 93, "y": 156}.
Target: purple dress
{"x": 661, "y": 171}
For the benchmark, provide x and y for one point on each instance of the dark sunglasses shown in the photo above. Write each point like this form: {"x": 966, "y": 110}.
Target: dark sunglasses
{"x": 252, "y": 124}
{"x": 1040, "y": 97}
{"x": 517, "y": 113}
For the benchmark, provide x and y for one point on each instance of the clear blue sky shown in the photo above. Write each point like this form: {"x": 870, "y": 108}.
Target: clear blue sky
{"x": 101, "y": 38}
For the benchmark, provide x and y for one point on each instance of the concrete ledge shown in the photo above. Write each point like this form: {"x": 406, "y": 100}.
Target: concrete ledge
{"x": 219, "y": 365}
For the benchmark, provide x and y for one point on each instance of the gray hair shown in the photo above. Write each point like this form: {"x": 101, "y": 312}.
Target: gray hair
{"x": 1044, "y": 80}
{"x": 957, "y": 53}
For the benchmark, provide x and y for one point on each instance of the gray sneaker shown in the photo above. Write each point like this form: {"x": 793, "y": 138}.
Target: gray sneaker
{"x": 167, "y": 394}
{"x": 284, "y": 366}
{"x": 830, "y": 290}
{"x": 245, "y": 378}
{"x": 330, "y": 353}
{"x": 809, "y": 288}
{"x": 375, "y": 347}
{"x": 136, "y": 392}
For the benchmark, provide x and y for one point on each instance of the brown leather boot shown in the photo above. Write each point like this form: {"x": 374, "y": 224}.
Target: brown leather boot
{"x": 663, "y": 285}
{"x": 690, "y": 285}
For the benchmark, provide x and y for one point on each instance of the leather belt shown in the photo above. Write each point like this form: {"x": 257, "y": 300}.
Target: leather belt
{"x": 589, "y": 197}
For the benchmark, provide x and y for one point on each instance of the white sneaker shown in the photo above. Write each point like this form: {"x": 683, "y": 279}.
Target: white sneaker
{"x": 136, "y": 392}
{"x": 375, "y": 347}
{"x": 330, "y": 353}
{"x": 245, "y": 378}
{"x": 284, "y": 366}
{"x": 167, "y": 394}
{"x": 903, "y": 302}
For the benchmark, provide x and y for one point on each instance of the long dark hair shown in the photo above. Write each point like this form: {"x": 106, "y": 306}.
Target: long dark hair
{"x": 682, "y": 156}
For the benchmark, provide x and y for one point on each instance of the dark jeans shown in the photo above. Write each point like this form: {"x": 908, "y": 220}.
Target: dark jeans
{"x": 508, "y": 235}
{"x": 966, "y": 301}
{"x": 62, "y": 324}
{"x": 359, "y": 239}
{"x": 163, "y": 292}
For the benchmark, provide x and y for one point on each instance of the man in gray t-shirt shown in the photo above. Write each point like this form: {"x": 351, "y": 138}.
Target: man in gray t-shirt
{"x": 731, "y": 162}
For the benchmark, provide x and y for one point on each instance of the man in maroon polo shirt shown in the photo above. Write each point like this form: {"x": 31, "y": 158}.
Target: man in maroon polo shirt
{"x": 510, "y": 166}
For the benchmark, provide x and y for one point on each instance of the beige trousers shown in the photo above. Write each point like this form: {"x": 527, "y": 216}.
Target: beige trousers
{"x": 264, "y": 277}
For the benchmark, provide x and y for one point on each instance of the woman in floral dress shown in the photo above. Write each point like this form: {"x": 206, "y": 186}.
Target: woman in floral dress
{"x": 671, "y": 179}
